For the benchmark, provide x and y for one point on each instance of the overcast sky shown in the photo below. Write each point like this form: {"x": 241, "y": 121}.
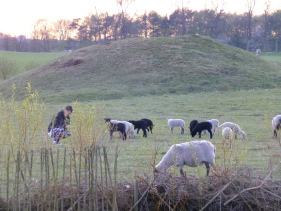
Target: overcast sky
{"x": 18, "y": 16}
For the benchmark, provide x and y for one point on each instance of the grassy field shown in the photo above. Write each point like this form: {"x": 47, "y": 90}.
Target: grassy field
{"x": 157, "y": 96}
{"x": 272, "y": 57}
{"x": 252, "y": 110}
{"x": 23, "y": 58}
{"x": 145, "y": 67}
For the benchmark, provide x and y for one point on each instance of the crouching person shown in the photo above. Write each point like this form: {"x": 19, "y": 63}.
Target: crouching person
{"x": 58, "y": 126}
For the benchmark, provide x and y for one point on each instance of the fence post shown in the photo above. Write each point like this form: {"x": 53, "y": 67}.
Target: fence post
{"x": 136, "y": 194}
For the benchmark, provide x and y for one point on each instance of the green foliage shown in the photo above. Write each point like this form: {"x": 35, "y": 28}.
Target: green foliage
{"x": 155, "y": 66}
{"x": 86, "y": 127}
{"x": 7, "y": 68}
{"x": 21, "y": 122}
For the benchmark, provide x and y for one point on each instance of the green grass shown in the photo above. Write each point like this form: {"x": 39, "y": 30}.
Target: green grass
{"x": 272, "y": 57}
{"x": 189, "y": 77}
{"x": 252, "y": 110}
{"x": 24, "y": 58}
{"x": 145, "y": 67}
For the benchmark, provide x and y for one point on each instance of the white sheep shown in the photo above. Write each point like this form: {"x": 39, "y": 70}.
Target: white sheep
{"x": 215, "y": 124}
{"x": 129, "y": 127}
{"x": 192, "y": 154}
{"x": 176, "y": 123}
{"x": 227, "y": 133}
{"x": 235, "y": 128}
{"x": 276, "y": 123}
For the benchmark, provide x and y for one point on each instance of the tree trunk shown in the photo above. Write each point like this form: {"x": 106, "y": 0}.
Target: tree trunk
{"x": 248, "y": 45}
{"x": 277, "y": 44}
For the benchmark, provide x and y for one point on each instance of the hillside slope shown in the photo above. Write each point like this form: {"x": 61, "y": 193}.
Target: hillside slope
{"x": 155, "y": 66}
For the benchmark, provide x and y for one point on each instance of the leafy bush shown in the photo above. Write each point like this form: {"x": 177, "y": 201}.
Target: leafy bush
{"x": 7, "y": 68}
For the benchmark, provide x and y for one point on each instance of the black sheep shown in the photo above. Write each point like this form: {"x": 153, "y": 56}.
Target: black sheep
{"x": 200, "y": 127}
{"x": 192, "y": 124}
{"x": 140, "y": 124}
{"x": 149, "y": 124}
{"x": 117, "y": 127}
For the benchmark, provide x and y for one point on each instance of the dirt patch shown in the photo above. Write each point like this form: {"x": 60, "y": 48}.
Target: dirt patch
{"x": 73, "y": 62}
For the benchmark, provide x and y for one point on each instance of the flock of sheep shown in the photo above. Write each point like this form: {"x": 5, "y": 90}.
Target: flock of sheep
{"x": 192, "y": 153}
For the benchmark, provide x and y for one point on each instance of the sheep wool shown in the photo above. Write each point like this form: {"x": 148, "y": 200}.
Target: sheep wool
{"x": 176, "y": 123}
{"x": 192, "y": 154}
{"x": 227, "y": 133}
{"x": 276, "y": 123}
{"x": 235, "y": 128}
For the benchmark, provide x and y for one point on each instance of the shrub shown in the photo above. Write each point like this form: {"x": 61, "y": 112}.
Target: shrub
{"x": 7, "y": 68}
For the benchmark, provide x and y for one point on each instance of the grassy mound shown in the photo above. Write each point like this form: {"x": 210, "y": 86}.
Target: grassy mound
{"x": 155, "y": 66}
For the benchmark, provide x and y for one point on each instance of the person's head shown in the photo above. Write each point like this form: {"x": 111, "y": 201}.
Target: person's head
{"x": 68, "y": 110}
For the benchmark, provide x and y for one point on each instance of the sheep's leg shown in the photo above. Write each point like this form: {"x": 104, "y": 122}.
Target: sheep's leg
{"x": 182, "y": 130}
{"x": 230, "y": 143}
{"x": 200, "y": 134}
{"x": 172, "y": 129}
{"x": 182, "y": 173}
{"x": 138, "y": 131}
{"x": 275, "y": 134}
{"x": 144, "y": 132}
{"x": 207, "y": 167}
{"x": 151, "y": 129}
{"x": 235, "y": 135}
{"x": 211, "y": 134}
{"x": 124, "y": 136}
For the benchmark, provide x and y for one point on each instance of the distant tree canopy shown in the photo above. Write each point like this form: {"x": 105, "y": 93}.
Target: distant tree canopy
{"x": 246, "y": 31}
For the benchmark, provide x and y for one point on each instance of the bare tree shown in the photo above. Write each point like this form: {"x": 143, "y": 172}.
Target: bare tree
{"x": 250, "y": 9}
{"x": 62, "y": 29}
{"x": 266, "y": 14}
{"x": 7, "y": 68}
{"x": 123, "y": 19}
{"x": 42, "y": 32}
{"x": 219, "y": 12}
{"x": 182, "y": 7}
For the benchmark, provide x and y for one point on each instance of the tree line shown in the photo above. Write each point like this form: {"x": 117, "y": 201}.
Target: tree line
{"x": 246, "y": 31}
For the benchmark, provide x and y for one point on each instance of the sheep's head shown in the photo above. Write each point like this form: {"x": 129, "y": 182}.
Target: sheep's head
{"x": 243, "y": 135}
{"x": 132, "y": 122}
{"x": 193, "y": 133}
{"x": 106, "y": 120}
{"x": 161, "y": 177}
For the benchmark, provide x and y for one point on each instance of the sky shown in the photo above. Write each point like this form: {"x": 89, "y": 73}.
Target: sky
{"x": 18, "y": 16}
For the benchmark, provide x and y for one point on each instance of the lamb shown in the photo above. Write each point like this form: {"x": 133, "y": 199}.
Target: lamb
{"x": 192, "y": 124}
{"x": 129, "y": 129}
{"x": 236, "y": 129}
{"x": 200, "y": 127}
{"x": 149, "y": 124}
{"x": 192, "y": 154}
{"x": 121, "y": 127}
{"x": 215, "y": 124}
{"x": 140, "y": 124}
{"x": 176, "y": 123}
{"x": 227, "y": 133}
{"x": 276, "y": 125}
